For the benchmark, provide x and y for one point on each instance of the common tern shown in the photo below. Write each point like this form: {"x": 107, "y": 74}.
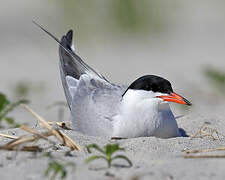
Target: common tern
{"x": 101, "y": 108}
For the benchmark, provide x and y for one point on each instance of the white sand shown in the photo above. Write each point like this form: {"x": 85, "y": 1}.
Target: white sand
{"x": 152, "y": 158}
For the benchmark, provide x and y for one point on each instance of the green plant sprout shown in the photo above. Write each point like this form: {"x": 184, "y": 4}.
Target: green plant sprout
{"x": 55, "y": 168}
{"x": 107, "y": 152}
{"x": 6, "y": 107}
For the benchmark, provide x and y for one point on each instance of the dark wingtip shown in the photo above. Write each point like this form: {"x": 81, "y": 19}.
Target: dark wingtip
{"x": 67, "y": 39}
{"x": 69, "y": 35}
{"x": 187, "y": 102}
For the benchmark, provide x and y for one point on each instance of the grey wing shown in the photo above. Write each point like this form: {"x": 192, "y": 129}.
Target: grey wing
{"x": 72, "y": 65}
{"x": 94, "y": 103}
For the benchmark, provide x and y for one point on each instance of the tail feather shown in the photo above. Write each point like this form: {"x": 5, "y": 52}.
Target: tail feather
{"x": 70, "y": 63}
{"x": 67, "y": 62}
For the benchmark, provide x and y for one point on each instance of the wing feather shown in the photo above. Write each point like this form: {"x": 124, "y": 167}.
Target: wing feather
{"x": 94, "y": 104}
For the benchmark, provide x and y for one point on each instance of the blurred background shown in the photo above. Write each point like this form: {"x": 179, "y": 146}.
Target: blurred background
{"x": 183, "y": 41}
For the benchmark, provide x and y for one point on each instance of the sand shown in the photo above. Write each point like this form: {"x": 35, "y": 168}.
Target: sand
{"x": 152, "y": 158}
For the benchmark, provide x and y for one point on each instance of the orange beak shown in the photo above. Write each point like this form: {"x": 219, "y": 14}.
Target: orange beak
{"x": 173, "y": 97}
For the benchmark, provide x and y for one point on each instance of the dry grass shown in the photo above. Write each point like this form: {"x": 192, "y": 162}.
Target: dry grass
{"x": 212, "y": 133}
{"x": 195, "y": 153}
{"x": 206, "y": 131}
{"x": 203, "y": 156}
{"x": 8, "y": 136}
{"x": 18, "y": 143}
{"x": 60, "y": 124}
{"x": 188, "y": 151}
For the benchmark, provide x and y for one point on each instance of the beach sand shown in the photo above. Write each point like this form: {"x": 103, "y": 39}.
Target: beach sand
{"x": 152, "y": 158}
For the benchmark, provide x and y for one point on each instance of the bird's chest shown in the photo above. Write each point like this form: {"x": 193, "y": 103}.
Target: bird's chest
{"x": 137, "y": 120}
{"x": 148, "y": 117}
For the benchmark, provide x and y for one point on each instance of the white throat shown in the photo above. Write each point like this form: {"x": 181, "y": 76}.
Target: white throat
{"x": 142, "y": 114}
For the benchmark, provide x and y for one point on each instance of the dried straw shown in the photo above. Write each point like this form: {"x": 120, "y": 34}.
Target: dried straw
{"x": 8, "y": 136}
{"x": 59, "y": 135}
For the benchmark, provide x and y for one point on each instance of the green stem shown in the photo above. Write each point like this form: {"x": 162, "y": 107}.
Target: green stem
{"x": 109, "y": 163}
{"x": 10, "y": 107}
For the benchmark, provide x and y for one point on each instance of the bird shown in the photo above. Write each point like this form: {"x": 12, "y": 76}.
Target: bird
{"x": 99, "y": 107}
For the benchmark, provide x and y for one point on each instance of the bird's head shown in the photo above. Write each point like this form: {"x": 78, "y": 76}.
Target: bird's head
{"x": 157, "y": 87}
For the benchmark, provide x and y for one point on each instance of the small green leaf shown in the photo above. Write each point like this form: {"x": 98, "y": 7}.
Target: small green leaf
{"x": 94, "y": 158}
{"x": 112, "y": 148}
{"x": 123, "y": 157}
{"x": 56, "y": 168}
{"x": 3, "y": 101}
{"x": 6, "y": 107}
{"x": 108, "y": 151}
{"x": 94, "y": 146}
{"x": 9, "y": 120}
{"x": 17, "y": 125}
{"x": 63, "y": 174}
{"x": 11, "y": 107}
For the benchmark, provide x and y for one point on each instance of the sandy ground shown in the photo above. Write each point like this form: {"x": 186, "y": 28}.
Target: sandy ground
{"x": 152, "y": 158}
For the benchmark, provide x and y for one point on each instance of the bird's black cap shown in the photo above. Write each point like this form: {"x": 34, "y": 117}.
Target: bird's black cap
{"x": 151, "y": 83}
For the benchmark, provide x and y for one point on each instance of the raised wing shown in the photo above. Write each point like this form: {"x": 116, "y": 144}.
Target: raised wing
{"x": 70, "y": 63}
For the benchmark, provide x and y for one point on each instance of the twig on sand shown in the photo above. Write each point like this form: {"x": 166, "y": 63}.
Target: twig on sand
{"x": 203, "y": 156}
{"x": 190, "y": 153}
{"x": 206, "y": 131}
{"x": 8, "y": 136}
{"x": 60, "y": 124}
{"x": 59, "y": 135}
{"x": 36, "y": 133}
{"x": 18, "y": 143}
{"x": 24, "y": 148}
{"x": 203, "y": 150}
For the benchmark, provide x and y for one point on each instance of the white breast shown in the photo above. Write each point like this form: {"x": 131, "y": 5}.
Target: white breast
{"x": 141, "y": 114}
